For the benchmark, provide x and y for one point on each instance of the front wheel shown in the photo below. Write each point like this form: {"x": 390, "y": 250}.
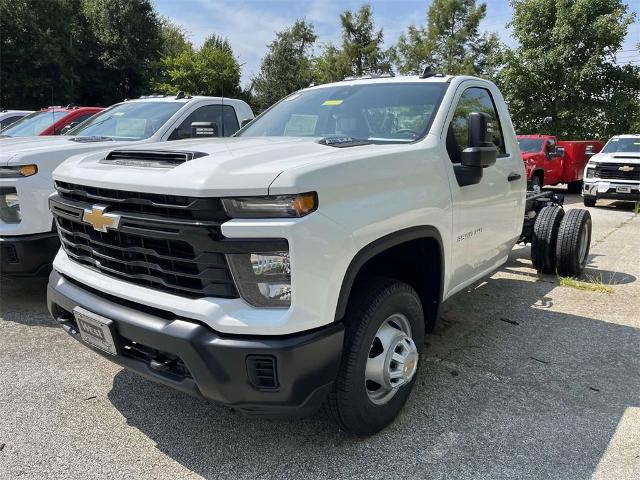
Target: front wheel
{"x": 589, "y": 201}
{"x": 384, "y": 334}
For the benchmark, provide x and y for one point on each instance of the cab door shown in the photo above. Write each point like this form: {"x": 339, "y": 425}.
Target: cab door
{"x": 487, "y": 216}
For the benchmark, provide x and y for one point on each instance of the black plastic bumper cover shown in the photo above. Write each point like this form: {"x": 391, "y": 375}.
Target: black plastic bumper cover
{"x": 307, "y": 363}
{"x": 27, "y": 255}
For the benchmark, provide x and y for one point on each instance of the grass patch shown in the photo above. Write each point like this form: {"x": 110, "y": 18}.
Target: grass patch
{"x": 636, "y": 208}
{"x": 592, "y": 284}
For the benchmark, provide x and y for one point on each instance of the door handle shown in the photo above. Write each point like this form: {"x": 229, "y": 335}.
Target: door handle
{"x": 513, "y": 177}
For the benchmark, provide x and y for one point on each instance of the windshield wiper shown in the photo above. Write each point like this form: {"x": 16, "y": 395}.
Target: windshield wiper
{"x": 91, "y": 138}
{"x": 343, "y": 141}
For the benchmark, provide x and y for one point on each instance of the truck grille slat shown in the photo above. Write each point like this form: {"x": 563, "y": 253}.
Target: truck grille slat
{"x": 165, "y": 242}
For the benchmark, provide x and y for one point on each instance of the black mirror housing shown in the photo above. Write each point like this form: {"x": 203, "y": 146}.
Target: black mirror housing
{"x": 246, "y": 122}
{"x": 204, "y": 129}
{"x": 481, "y": 152}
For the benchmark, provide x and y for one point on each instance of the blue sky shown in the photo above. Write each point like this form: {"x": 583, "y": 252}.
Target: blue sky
{"x": 251, "y": 24}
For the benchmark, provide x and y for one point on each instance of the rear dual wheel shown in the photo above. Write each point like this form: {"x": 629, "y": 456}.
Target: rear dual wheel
{"x": 384, "y": 334}
{"x": 561, "y": 241}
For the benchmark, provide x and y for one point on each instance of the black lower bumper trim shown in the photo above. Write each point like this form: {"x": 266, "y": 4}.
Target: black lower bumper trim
{"x": 28, "y": 255}
{"x": 629, "y": 197}
{"x": 206, "y": 364}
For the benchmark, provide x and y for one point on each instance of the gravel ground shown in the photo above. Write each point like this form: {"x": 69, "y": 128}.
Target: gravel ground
{"x": 523, "y": 378}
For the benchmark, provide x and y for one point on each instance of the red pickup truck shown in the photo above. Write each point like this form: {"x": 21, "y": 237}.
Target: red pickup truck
{"x": 549, "y": 161}
{"x": 49, "y": 121}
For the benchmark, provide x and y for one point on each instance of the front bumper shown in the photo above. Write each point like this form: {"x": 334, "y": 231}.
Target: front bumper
{"x": 607, "y": 190}
{"x": 204, "y": 363}
{"x": 28, "y": 255}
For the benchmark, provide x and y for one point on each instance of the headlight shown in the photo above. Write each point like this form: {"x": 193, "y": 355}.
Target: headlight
{"x": 18, "y": 171}
{"x": 263, "y": 279}
{"x": 591, "y": 172}
{"x": 9, "y": 206}
{"x": 276, "y": 206}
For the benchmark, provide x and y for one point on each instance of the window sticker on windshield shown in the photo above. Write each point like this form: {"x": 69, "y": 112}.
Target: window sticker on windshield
{"x": 117, "y": 114}
{"x": 131, "y": 127}
{"x": 332, "y": 102}
{"x": 301, "y": 126}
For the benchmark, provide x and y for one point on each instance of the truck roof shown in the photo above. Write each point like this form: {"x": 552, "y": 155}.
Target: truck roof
{"x": 185, "y": 99}
{"x": 373, "y": 79}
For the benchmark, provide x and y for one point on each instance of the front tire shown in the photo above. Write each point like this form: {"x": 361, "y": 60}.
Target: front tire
{"x": 536, "y": 183}
{"x": 384, "y": 335}
{"x": 589, "y": 201}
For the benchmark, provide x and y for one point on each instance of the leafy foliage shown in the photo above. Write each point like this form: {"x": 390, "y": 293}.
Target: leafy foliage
{"x": 211, "y": 70}
{"x": 287, "y": 66}
{"x": 450, "y": 42}
{"x": 564, "y": 68}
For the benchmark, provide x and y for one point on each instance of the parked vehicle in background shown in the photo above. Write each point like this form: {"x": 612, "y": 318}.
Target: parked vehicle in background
{"x": 302, "y": 261}
{"x": 49, "y": 121}
{"x": 549, "y": 161}
{"x": 28, "y": 241}
{"x": 8, "y": 117}
{"x": 614, "y": 173}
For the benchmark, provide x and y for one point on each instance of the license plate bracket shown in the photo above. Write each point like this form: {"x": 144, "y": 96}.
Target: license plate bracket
{"x": 95, "y": 330}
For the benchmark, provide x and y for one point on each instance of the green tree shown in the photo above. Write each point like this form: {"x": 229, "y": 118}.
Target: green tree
{"x": 128, "y": 34}
{"x": 564, "y": 68}
{"x": 450, "y": 42}
{"x": 173, "y": 38}
{"x": 361, "y": 51}
{"x": 361, "y": 43}
{"x": 41, "y": 52}
{"x": 287, "y": 66}
{"x": 211, "y": 70}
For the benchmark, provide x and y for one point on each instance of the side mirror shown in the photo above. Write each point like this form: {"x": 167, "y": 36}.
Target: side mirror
{"x": 66, "y": 128}
{"x": 204, "y": 129}
{"x": 246, "y": 122}
{"x": 481, "y": 152}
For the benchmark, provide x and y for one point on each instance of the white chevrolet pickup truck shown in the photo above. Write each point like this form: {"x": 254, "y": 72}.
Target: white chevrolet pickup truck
{"x": 28, "y": 241}
{"x": 614, "y": 172}
{"x": 301, "y": 262}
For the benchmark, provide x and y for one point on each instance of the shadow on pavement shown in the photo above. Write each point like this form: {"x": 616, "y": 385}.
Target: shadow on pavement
{"x": 508, "y": 388}
{"x": 24, "y": 300}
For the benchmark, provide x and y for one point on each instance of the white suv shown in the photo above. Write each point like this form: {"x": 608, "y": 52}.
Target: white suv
{"x": 301, "y": 261}
{"x": 28, "y": 241}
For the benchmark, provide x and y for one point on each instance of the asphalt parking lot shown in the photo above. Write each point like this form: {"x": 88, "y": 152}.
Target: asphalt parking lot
{"x": 523, "y": 378}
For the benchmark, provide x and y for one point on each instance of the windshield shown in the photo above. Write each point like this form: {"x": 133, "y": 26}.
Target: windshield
{"x": 33, "y": 124}
{"x": 128, "y": 121}
{"x": 617, "y": 144}
{"x": 530, "y": 145}
{"x": 380, "y": 113}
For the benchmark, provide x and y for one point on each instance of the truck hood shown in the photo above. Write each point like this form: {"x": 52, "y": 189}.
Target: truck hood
{"x": 616, "y": 157}
{"x": 19, "y": 150}
{"x": 226, "y": 167}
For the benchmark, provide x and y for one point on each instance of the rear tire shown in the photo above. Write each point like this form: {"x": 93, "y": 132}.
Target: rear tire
{"x": 574, "y": 187}
{"x": 574, "y": 240}
{"x": 545, "y": 234}
{"x": 589, "y": 201}
{"x": 360, "y": 405}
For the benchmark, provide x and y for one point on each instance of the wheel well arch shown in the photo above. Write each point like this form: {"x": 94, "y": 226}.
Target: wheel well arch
{"x": 414, "y": 256}
{"x": 538, "y": 172}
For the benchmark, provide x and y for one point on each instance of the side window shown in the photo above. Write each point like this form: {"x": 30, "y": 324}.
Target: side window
{"x": 208, "y": 113}
{"x": 8, "y": 121}
{"x": 474, "y": 99}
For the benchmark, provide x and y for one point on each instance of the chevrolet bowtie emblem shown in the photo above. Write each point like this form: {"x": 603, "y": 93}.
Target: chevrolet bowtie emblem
{"x": 626, "y": 168}
{"x": 98, "y": 219}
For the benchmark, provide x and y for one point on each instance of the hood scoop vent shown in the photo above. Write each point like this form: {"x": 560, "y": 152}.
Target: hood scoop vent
{"x": 150, "y": 158}
{"x": 342, "y": 142}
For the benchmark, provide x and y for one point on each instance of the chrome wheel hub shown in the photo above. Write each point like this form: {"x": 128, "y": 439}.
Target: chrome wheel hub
{"x": 393, "y": 359}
